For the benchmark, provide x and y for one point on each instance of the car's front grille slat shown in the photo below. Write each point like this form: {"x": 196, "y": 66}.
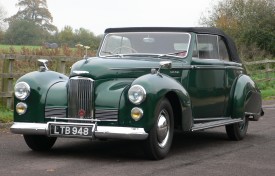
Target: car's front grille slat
{"x": 106, "y": 114}
{"x": 81, "y": 102}
{"x": 80, "y": 98}
{"x": 55, "y": 112}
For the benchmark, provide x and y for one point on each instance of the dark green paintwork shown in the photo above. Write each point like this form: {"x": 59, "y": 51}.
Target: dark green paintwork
{"x": 40, "y": 83}
{"x": 198, "y": 89}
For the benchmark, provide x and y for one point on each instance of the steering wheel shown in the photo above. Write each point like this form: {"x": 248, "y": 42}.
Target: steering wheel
{"x": 125, "y": 47}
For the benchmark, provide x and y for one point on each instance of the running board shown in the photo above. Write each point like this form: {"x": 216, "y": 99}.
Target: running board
{"x": 207, "y": 125}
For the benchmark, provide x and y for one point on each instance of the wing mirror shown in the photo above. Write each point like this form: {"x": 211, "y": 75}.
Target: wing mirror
{"x": 165, "y": 64}
{"x": 162, "y": 64}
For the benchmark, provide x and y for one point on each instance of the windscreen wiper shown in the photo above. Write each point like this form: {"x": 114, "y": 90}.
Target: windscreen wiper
{"x": 178, "y": 55}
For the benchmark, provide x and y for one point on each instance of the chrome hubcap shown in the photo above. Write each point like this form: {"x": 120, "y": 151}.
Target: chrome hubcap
{"x": 163, "y": 128}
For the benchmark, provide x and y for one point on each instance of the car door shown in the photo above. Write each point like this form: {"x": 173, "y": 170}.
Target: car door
{"x": 206, "y": 85}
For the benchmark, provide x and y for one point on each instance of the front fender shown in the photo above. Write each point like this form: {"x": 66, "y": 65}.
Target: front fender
{"x": 157, "y": 87}
{"x": 247, "y": 98}
{"x": 40, "y": 83}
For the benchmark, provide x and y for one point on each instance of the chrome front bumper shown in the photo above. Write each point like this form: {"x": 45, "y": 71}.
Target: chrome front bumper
{"x": 100, "y": 132}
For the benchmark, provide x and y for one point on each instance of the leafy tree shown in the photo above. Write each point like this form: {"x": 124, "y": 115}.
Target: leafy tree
{"x": 66, "y": 36}
{"x": 34, "y": 11}
{"x": 71, "y": 37}
{"x": 87, "y": 38}
{"x": 23, "y": 32}
{"x": 250, "y": 22}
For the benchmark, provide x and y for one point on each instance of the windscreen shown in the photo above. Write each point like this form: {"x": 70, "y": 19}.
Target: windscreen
{"x": 145, "y": 43}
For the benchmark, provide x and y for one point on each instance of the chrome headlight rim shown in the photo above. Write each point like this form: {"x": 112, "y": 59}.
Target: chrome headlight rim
{"x": 26, "y": 91}
{"x": 137, "y": 94}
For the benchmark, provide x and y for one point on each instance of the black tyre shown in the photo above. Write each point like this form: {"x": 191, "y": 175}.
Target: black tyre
{"x": 237, "y": 131}
{"x": 159, "y": 141}
{"x": 39, "y": 142}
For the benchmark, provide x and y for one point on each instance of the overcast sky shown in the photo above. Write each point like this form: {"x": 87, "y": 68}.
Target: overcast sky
{"x": 97, "y": 15}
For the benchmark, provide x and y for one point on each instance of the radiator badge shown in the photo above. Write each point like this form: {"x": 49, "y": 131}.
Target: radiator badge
{"x": 81, "y": 113}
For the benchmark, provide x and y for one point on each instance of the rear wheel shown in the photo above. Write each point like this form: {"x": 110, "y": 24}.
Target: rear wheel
{"x": 39, "y": 142}
{"x": 237, "y": 131}
{"x": 160, "y": 137}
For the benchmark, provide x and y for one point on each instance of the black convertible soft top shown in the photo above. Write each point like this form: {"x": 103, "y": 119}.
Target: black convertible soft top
{"x": 199, "y": 30}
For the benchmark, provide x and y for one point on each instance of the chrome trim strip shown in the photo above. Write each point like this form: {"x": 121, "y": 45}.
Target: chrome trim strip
{"x": 74, "y": 119}
{"x": 80, "y": 72}
{"x": 100, "y": 131}
{"x": 222, "y": 67}
{"x": 202, "y": 126}
{"x": 139, "y": 68}
{"x": 56, "y": 113}
{"x": 197, "y": 120}
{"x": 81, "y": 120}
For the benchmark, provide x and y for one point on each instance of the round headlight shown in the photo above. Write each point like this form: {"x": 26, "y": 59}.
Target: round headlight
{"x": 21, "y": 108}
{"x": 136, "y": 94}
{"x": 22, "y": 90}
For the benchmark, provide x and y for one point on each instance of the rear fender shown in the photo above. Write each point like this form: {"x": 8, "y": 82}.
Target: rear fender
{"x": 247, "y": 98}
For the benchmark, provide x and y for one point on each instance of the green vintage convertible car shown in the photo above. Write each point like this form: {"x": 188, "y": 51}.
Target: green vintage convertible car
{"x": 143, "y": 84}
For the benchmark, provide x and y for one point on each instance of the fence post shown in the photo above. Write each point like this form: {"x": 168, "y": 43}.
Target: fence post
{"x": 267, "y": 70}
{"x": 62, "y": 68}
{"x": 7, "y": 82}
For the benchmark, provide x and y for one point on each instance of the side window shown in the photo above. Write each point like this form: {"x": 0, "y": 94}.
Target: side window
{"x": 207, "y": 46}
{"x": 223, "y": 50}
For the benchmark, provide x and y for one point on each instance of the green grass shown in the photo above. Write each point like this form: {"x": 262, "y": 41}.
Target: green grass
{"x": 268, "y": 94}
{"x": 6, "y": 115}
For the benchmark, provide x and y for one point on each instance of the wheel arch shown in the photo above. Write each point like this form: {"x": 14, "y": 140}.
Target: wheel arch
{"x": 182, "y": 113}
{"x": 246, "y": 98}
{"x": 40, "y": 83}
{"x": 159, "y": 86}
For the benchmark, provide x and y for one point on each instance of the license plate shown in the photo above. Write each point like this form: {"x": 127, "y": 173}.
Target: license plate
{"x": 72, "y": 130}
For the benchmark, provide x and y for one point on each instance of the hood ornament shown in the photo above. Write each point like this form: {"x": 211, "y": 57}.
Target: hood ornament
{"x": 86, "y": 50}
{"x": 86, "y": 54}
{"x": 42, "y": 63}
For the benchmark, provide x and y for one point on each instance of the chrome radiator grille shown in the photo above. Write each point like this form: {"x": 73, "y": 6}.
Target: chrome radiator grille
{"x": 80, "y": 99}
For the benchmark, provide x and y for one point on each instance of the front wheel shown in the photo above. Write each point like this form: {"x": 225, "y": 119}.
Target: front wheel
{"x": 237, "y": 131}
{"x": 39, "y": 142}
{"x": 159, "y": 141}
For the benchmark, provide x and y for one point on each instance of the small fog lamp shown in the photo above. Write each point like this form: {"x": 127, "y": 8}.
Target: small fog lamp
{"x": 136, "y": 113}
{"x": 21, "y": 108}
